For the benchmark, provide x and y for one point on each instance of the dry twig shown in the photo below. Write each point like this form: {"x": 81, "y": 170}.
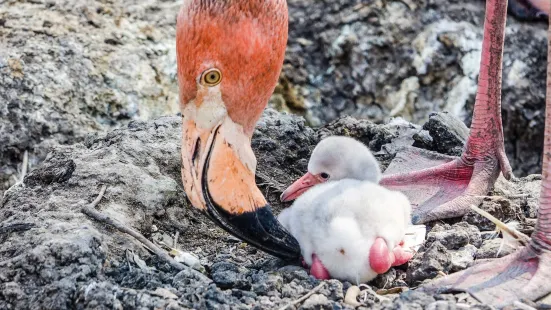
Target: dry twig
{"x": 303, "y": 298}
{"x": 90, "y": 211}
{"x": 522, "y": 238}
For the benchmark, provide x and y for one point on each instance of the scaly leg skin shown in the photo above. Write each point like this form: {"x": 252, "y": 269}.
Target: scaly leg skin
{"x": 525, "y": 274}
{"x": 529, "y": 10}
{"x": 448, "y": 190}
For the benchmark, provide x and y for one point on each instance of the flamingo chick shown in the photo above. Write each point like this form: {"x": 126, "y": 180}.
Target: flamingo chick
{"x": 345, "y": 229}
{"x": 336, "y": 158}
{"x": 346, "y": 225}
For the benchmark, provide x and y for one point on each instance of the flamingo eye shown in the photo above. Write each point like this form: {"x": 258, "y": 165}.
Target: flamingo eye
{"x": 324, "y": 176}
{"x": 211, "y": 77}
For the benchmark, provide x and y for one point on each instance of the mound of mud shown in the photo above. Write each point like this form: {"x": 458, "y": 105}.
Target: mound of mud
{"x": 54, "y": 257}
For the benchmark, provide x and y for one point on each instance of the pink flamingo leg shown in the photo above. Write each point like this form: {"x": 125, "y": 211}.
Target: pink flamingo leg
{"x": 525, "y": 274}
{"x": 447, "y": 190}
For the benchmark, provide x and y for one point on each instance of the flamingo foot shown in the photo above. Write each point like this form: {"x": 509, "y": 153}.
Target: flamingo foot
{"x": 528, "y": 10}
{"x": 524, "y": 274}
{"x": 318, "y": 270}
{"x": 380, "y": 260}
{"x": 443, "y": 186}
{"x": 401, "y": 256}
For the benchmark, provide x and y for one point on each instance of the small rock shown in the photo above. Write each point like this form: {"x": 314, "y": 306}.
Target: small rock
{"x": 385, "y": 280}
{"x": 428, "y": 264}
{"x": 316, "y": 302}
{"x": 413, "y": 299}
{"x": 293, "y": 272}
{"x": 448, "y": 134}
{"x": 292, "y": 290}
{"x": 227, "y": 275}
{"x": 463, "y": 258}
{"x": 423, "y": 140}
{"x": 267, "y": 284}
{"x": 333, "y": 289}
{"x": 265, "y": 302}
{"x": 215, "y": 296}
{"x": 164, "y": 293}
{"x": 490, "y": 249}
{"x": 454, "y": 237}
{"x": 362, "y": 130}
{"x": 400, "y": 280}
{"x": 186, "y": 277}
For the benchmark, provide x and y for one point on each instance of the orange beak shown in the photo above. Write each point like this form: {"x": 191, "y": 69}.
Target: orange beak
{"x": 300, "y": 186}
{"x": 218, "y": 170}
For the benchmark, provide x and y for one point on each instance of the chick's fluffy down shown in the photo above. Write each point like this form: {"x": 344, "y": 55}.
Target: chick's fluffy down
{"x": 339, "y": 221}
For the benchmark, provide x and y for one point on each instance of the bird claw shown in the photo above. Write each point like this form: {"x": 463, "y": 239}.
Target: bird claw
{"x": 446, "y": 190}
{"x": 521, "y": 275}
{"x": 318, "y": 270}
{"x": 401, "y": 255}
{"x": 381, "y": 259}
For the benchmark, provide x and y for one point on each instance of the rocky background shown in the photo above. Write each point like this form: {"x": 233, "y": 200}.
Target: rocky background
{"x": 83, "y": 86}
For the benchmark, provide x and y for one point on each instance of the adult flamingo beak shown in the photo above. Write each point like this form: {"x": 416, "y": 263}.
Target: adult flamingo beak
{"x": 218, "y": 172}
{"x": 299, "y": 187}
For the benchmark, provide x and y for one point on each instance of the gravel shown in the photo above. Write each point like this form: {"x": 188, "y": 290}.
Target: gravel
{"x": 89, "y": 89}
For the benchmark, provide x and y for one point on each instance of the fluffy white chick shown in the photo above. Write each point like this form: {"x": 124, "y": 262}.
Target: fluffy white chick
{"x": 340, "y": 217}
{"x": 339, "y": 222}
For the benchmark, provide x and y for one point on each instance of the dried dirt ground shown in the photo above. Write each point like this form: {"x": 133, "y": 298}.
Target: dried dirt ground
{"x": 54, "y": 257}
{"x": 69, "y": 67}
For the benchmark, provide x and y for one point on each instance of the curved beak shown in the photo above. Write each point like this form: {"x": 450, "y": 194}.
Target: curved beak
{"x": 299, "y": 187}
{"x": 218, "y": 172}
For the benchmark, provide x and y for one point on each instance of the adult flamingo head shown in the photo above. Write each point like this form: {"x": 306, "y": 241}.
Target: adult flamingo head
{"x": 230, "y": 54}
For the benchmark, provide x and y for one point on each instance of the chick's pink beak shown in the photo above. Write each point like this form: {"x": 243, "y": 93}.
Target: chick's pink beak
{"x": 299, "y": 187}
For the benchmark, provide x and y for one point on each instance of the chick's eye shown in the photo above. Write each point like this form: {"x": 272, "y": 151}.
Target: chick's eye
{"x": 211, "y": 77}
{"x": 324, "y": 176}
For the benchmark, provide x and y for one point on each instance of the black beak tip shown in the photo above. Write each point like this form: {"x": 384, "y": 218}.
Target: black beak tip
{"x": 260, "y": 229}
